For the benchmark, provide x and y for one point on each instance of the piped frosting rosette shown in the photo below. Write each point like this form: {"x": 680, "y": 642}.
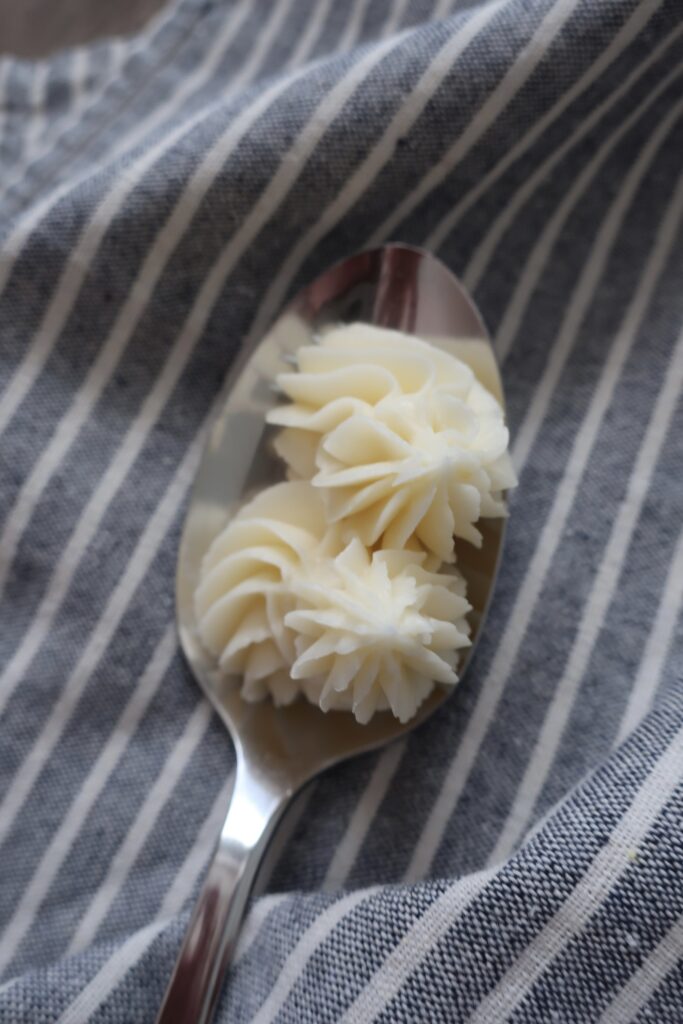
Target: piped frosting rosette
{"x": 281, "y": 603}
{"x": 244, "y": 591}
{"x": 376, "y": 631}
{"x": 399, "y": 436}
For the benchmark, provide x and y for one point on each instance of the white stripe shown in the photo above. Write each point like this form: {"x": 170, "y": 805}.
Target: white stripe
{"x": 604, "y": 585}
{"x": 60, "y": 845}
{"x": 379, "y": 155}
{"x": 304, "y": 950}
{"x": 442, "y": 9}
{"x": 200, "y": 853}
{"x": 78, "y": 79}
{"x": 310, "y": 36}
{"x": 486, "y": 248}
{"x": 7, "y": 985}
{"x": 493, "y": 685}
{"x": 154, "y": 803}
{"x": 37, "y": 113}
{"x": 525, "y": 63}
{"x": 415, "y": 945}
{"x": 111, "y": 974}
{"x": 80, "y": 259}
{"x": 657, "y": 647}
{"x": 363, "y": 815}
{"x": 119, "y": 49}
{"x": 644, "y": 982}
{"x": 351, "y": 34}
{"x": 398, "y": 14}
{"x": 587, "y": 897}
{"x": 66, "y": 705}
{"x": 255, "y": 920}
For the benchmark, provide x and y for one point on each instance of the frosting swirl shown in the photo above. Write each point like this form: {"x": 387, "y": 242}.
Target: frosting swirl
{"x": 282, "y": 604}
{"x": 399, "y": 436}
{"x": 244, "y": 590}
{"x": 376, "y": 631}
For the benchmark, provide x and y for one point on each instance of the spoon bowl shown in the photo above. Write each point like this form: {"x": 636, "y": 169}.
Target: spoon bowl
{"x": 279, "y": 749}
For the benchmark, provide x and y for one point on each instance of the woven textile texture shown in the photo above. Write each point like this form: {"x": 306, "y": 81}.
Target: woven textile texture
{"x": 520, "y": 857}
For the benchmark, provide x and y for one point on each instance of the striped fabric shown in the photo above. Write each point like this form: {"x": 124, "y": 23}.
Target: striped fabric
{"x": 520, "y": 858}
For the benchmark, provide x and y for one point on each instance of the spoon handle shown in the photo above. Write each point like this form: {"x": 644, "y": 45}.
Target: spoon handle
{"x": 255, "y": 809}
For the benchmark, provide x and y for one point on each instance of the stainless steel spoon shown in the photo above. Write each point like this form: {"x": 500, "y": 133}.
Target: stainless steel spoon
{"x": 279, "y": 750}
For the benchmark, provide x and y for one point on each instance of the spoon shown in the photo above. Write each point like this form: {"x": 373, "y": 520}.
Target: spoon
{"x": 280, "y": 749}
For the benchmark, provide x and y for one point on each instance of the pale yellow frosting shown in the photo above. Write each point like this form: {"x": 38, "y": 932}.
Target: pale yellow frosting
{"x": 400, "y": 437}
{"x": 281, "y": 604}
{"x": 376, "y": 631}
{"x": 244, "y": 590}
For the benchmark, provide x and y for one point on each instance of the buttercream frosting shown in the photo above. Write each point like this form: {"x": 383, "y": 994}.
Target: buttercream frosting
{"x": 244, "y": 590}
{"x": 376, "y": 631}
{"x": 399, "y": 436}
{"x": 283, "y": 605}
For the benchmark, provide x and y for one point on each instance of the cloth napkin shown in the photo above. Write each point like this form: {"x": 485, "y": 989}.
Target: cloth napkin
{"x": 520, "y": 857}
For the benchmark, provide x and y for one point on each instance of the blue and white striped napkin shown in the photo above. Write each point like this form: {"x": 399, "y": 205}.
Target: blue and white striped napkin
{"x": 520, "y": 858}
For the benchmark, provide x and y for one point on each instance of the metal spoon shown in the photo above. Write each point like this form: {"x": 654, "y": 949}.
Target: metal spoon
{"x": 279, "y": 750}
